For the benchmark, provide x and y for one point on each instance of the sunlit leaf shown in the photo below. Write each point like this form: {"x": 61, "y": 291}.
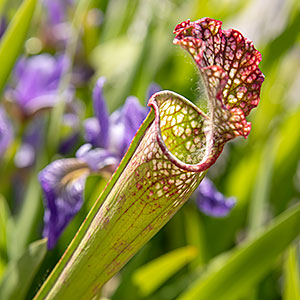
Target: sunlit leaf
{"x": 4, "y": 215}
{"x": 4, "y": 219}
{"x": 292, "y": 278}
{"x": 152, "y": 275}
{"x": 20, "y": 272}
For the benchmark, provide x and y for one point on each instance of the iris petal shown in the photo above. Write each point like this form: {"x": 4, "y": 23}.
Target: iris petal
{"x": 92, "y": 131}
{"x": 37, "y": 82}
{"x": 98, "y": 158}
{"x": 6, "y": 132}
{"x": 133, "y": 114}
{"x": 211, "y": 202}
{"x": 63, "y": 183}
{"x": 101, "y": 114}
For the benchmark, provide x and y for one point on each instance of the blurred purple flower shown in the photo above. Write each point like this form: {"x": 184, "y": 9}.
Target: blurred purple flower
{"x": 211, "y": 202}
{"x": 68, "y": 144}
{"x": 6, "y": 132}
{"x": 56, "y": 30}
{"x": 116, "y": 131}
{"x": 153, "y": 88}
{"x": 37, "y": 79}
{"x": 108, "y": 137}
{"x": 57, "y": 10}
{"x": 31, "y": 143}
{"x": 55, "y": 33}
{"x": 71, "y": 128}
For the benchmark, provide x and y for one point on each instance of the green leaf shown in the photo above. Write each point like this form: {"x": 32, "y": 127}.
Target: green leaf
{"x": 194, "y": 232}
{"x": 4, "y": 215}
{"x": 13, "y": 40}
{"x": 291, "y": 274}
{"x": 4, "y": 219}
{"x": 152, "y": 275}
{"x": 25, "y": 222}
{"x": 261, "y": 194}
{"x": 20, "y": 273}
{"x": 245, "y": 265}
{"x": 2, "y": 6}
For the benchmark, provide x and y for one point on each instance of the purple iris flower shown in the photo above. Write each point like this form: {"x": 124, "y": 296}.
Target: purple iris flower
{"x": 62, "y": 187}
{"x": 107, "y": 137}
{"x": 211, "y": 202}
{"x": 37, "y": 79}
{"x": 6, "y": 132}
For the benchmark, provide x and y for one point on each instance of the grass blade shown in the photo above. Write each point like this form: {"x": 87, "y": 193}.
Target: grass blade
{"x": 20, "y": 273}
{"x": 152, "y": 275}
{"x": 84, "y": 227}
{"x": 292, "y": 279}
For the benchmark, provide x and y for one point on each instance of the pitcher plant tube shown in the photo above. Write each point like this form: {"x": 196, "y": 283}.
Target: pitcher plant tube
{"x": 168, "y": 158}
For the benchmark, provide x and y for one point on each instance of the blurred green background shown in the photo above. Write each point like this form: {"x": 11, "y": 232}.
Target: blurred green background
{"x": 130, "y": 43}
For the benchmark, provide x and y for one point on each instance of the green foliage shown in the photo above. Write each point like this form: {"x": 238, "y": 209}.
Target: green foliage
{"x": 4, "y": 221}
{"x": 291, "y": 275}
{"x": 13, "y": 40}
{"x": 25, "y": 221}
{"x": 245, "y": 266}
{"x": 20, "y": 272}
{"x": 150, "y": 276}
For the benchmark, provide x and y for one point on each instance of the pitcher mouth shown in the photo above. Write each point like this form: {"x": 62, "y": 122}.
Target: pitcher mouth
{"x": 184, "y": 132}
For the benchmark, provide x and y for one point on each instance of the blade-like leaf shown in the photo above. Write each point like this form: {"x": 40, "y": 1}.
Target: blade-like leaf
{"x": 12, "y": 42}
{"x": 292, "y": 279}
{"x": 152, "y": 275}
{"x": 84, "y": 227}
{"x": 4, "y": 219}
{"x": 228, "y": 279}
{"x": 259, "y": 203}
{"x": 20, "y": 273}
{"x": 26, "y": 220}
{"x": 4, "y": 215}
{"x": 194, "y": 232}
